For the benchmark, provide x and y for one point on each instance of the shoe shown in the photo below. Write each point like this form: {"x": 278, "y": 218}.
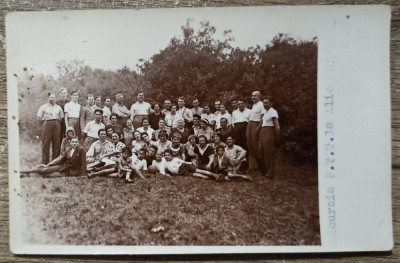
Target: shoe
{"x": 248, "y": 178}
{"x": 89, "y": 175}
{"x": 128, "y": 181}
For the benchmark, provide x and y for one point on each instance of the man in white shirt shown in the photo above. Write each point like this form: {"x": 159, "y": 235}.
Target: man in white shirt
{"x": 217, "y": 104}
{"x": 196, "y": 109}
{"x": 167, "y": 107}
{"x": 107, "y": 111}
{"x": 235, "y": 154}
{"x": 50, "y": 116}
{"x": 140, "y": 110}
{"x": 240, "y": 119}
{"x": 253, "y": 131}
{"x": 121, "y": 110}
{"x": 90, "y": 133}
{"x": 72, "y": 110}
{"x": 184, "y": 112}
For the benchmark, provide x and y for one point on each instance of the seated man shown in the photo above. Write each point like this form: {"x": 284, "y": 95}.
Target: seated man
{"x": 91, "y": 130}
{"x": 138, "y": 164}
{"x": 99, "y": 150}
{"x": 72, "y": 162}
{"x": 222, "y": 165}
{"x": 151, "y": 154}
{"x": 235, "y": 154}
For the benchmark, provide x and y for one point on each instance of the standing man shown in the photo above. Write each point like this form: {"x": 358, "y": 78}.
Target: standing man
{"x": 270, "y": 131}
{"x": 217, "y": 104}
{"x": 184, "y": 112}
{"x": 167, "y": 107}
{"x": 90, "y": 132}
{"x": 234, "y": 105}
{"x": 240, "y": 119}
{"x": 50, "y": 115}
{"x": 107, "y": 111}
{"x": 97, "y": 102}
{"x": 121, "y": 110}
{"x": 61, "y": 102}
{"x": 140, "y": 110}
{"x": 196, "y": 109}
{"x": 87, "y": 112}
{"x": 72, "y": 110}
{"x": 253, "y": 131}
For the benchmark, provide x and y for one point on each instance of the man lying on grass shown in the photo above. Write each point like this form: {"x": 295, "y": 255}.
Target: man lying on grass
{"x": 72, "y": 162}
{"x": 177, "y": 166}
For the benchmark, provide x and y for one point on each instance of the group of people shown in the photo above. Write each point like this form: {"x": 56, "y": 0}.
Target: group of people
{"x": 99, "y": 140}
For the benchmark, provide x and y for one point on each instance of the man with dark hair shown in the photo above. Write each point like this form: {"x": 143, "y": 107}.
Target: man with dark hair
{"x": 151, "y": 154}
{"x": 97, "y": 102}
{"x": 167, "y": 107}
{"x": 156, "y": 116}
{"x": 72, "y": 162}
{"x": 90, "y": 133}
{"x": 87, "y": 112}
{"x": 240, "y": 119}
{"x": 140, "y": 110}
{"x": 61, "y": 102}
{"x": 121, "y": 110}
{"x": 50, "y": 115}
{"x": 184, "y": 112}
{"x": 225, "y": 130}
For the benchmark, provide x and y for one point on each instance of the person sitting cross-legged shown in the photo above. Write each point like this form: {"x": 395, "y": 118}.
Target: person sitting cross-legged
{"x": 222, "y": 165}
{"x": 235, "y": 154}
{"x": 177, "y": 166}
{"x": 138, "y": 164}
{"x": 72, "y": 162}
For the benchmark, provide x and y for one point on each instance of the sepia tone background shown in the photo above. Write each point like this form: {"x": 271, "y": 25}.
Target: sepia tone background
{"x": 39, "y": 5}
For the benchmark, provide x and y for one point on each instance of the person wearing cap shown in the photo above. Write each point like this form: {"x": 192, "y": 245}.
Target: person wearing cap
{"x": 181, "y": 131}
{"x": 270, "y": 131}
{"x": 196, "y": 109}
{"x": 121, "y": 110}
{"x": 140, "y": 110}
{"x": 66, "y": 142}
{"x": 90, "y": 132}
{"x": 253, "y": 131}
{"x": 87, "y": 112}
{"x": 205, "y": 130}
{"x": 209, "y": 116}
{"x": 72, "y": 111}
{"x": 50, "y": 115}
{"x": 61, "y": 102}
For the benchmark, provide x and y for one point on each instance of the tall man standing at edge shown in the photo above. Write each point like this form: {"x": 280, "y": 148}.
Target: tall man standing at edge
{"x": 240, "y": 120}
{"x": 50, "y": 115}
{"x": 61, "y": 102}
{"x": 72, "y": 110}
{"x": 121, "y": 110}
{"x": 253, "y": 131}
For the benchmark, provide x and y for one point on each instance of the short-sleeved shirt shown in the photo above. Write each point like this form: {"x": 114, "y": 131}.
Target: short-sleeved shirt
{"x": 234, "y": 152}
{"x": 98, "y": 148}
{"x": 256, "y": 111}
{"x": 73, "y": 109}
{"x": 140, "y": 165}
{"x": 268, "y": 116}
{"x": 49, "y": 112}
{"x": 226, "y": 115}
{"x": 241, "y": 116}
{"x": 140, "y": 108}
{"x": 204, "y": 154}
{"x": 197, "y": 111}
{"x": 92, "y": 129}
{"x": 162, "y": 146}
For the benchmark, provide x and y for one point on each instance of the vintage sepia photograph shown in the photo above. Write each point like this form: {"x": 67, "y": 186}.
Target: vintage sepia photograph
{"x": 168, "y": 129}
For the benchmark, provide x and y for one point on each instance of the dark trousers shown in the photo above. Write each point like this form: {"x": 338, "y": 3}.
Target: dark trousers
{"x": 62, "y": 130}
{"x": 240, "y": 134}
{"x": 267, "y": 147}
{"x": 122, "y": 121}
{"x": 50, "y": 136}
{"x": 252, "y": 138}
{"x": 75, "y": 124}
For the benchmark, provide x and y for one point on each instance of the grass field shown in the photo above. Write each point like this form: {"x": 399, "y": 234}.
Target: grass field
{"x": 185, "y": 210}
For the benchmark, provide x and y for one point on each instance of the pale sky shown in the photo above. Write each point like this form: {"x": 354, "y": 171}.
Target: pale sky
{"x": 111, "y": 39}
